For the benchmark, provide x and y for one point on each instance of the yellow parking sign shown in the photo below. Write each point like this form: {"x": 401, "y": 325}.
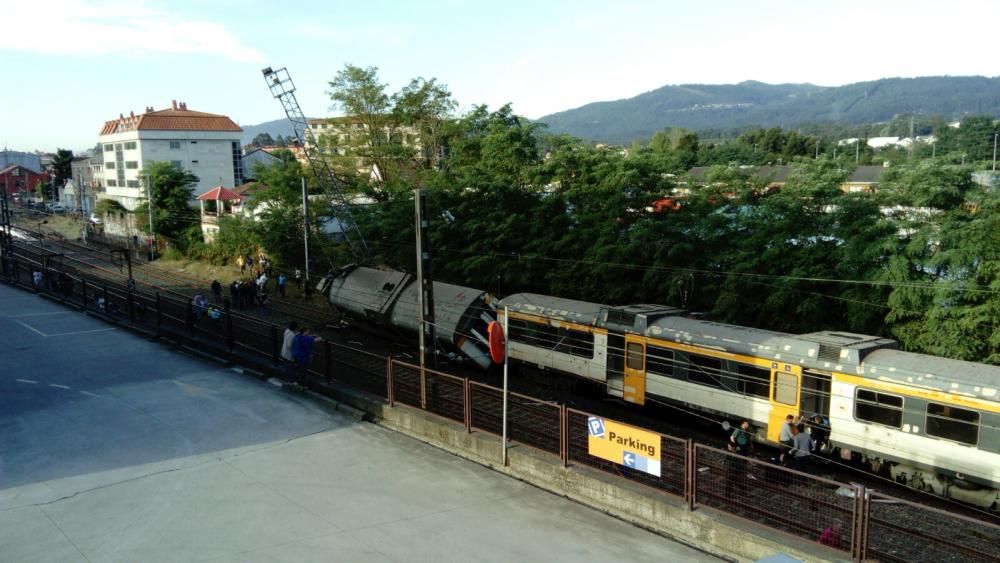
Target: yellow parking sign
{"x": 625, "y": 445}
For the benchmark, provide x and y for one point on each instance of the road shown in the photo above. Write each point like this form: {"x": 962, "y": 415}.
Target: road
{"x": 116, "y": 448}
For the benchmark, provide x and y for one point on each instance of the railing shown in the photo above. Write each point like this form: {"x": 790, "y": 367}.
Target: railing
{"x": 844, "y": 517}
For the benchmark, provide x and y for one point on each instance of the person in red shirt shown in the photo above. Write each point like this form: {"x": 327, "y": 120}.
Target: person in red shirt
{"x": 831, "y": 535}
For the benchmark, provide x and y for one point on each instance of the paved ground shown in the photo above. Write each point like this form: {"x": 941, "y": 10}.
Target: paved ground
{"x": 114, "y": 448}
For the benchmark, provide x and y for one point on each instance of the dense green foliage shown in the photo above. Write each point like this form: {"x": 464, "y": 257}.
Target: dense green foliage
{"x": 174, "y": 220}
{"x": 736, "y": 107}
{"x": 513, "y": 208}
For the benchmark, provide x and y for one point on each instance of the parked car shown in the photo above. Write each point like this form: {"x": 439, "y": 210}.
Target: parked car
{"x": 94, "y": 219}
{"x": 55, "y": 207}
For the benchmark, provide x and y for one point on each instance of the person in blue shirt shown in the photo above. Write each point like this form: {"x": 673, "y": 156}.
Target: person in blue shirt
{"x": 282, "y": 280}
{"x": 302, "y": 348}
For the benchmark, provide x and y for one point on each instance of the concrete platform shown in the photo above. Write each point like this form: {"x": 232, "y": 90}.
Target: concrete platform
{"x": 115, "y": 448}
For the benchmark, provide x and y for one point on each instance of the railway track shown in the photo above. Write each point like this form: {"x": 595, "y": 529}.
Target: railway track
{"x": 100, "y": 261}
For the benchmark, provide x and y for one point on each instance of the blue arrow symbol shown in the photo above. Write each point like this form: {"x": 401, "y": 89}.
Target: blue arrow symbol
{"x": 629, "y": 459}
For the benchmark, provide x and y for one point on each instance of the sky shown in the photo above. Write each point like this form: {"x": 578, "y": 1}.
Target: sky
{"x": 70, "y": 65}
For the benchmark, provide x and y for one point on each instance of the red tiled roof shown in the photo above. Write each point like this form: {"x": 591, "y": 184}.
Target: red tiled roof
{"x": 170, "y": 120}
{"x": 249, "y": 188}
{"x": 218, "y": 193}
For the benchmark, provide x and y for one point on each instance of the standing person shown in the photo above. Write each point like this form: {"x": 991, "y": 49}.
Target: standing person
{"x": 241, "y": 263}
{"x": 287, "y": 341}
{"x": 785, "y": 438}
{"x": 302, "y": 348}
{"x": 263, "y": 304}
{"x": 216, "y": 291}
{"x": 282, "y": 280}
{"x": 741, "y": 438}
{"x": 819, "y": 431}
{"x": 801, "y": 446}
{"x": 736, "y": 467}
{"x": 248, "y": 261}
{"x": 298, "y": 278}
{"x": 234, "y": 293}
{"x": 36, "y": 279}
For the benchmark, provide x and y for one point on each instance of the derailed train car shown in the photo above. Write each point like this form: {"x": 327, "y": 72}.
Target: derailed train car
{"x": 388, "y": 298}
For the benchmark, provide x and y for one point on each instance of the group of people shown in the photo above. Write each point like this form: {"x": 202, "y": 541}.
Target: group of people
{"x": 296, "y": 351}
{"x": 797, "y": 444}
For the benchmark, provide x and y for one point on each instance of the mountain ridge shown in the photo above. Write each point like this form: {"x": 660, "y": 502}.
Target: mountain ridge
{"x": 753, "y": 103}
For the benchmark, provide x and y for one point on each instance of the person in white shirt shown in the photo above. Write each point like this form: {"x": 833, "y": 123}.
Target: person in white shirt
{"x": 286, "y": 349}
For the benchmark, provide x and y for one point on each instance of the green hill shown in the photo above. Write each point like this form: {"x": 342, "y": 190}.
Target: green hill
{"x": 702, "y": 107}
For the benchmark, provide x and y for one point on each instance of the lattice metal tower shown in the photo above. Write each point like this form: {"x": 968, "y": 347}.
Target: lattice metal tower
{"x": 283, "y": 89}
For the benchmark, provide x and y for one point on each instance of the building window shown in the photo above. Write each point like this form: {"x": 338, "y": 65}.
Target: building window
{"x": 112, "y": 183}
{"x": 109, "y": 147}
{"x": 194, "y": 142}
{"x": 194, "y": 162}
{"x": 132, "y": 164}
{"x": 952, "y": 423}
{"x": 175, "y": 145}
{"x": 130, "y": 146}
{"x": 120, "y": 163}
{"x": 879, "y": 408}
{"x": 176, "y": 164}
{"x": 238, "y": 176}
{"x": 132, "y": 183}
{"x": 109, "y": 165}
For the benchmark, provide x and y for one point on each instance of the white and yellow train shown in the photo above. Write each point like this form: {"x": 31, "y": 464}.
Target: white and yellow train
{"x": 929, "y": 422}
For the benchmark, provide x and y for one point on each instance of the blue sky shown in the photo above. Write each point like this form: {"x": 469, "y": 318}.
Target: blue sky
{"x": 70, "y": 65}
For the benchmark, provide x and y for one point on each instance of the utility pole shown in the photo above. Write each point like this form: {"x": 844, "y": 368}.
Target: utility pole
{"x": 152, "y": 233}
{"x": 994, "y": 153}
{"x": 6, "y": 239}
{"x": 425, "y": 299}
{"x": 305, "y": 225}
{"x": 857, "y": 150}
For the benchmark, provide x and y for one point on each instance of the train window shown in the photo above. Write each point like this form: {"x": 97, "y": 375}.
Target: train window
{"x": 567, "y": 341}
{"x": 633, "y": 356}
{"x": 878, "y": 408}
{"x": 704, "y": 370}
{"x": 753, "y": 380}
{"x": 786, "y": 388}
{"x": 952, "y": 423}
{"x": 576, "y": 342}
{"x": 660, "y": 361}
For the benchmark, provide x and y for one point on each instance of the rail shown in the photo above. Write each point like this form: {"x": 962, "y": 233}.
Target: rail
{"x": 848, "y": 518}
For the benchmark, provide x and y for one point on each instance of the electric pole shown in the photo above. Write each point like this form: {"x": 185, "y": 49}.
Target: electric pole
{"x": 305, "y": 225}
{"x": 425, "y": 298}
{"x": 152, "y": 233}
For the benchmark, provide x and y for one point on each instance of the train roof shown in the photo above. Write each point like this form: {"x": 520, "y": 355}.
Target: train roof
{"x": 954, "y": 376}
{"x": 571, "y": 310}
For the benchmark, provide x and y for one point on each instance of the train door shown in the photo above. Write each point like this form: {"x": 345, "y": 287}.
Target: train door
{"x": 785, "y": 390}
{"x": 616, "y": 365}
{"x": 635, "y": 370}
{"x": 815, "y": 393}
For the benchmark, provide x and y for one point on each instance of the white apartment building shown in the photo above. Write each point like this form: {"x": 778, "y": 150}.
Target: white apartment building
{"x": 206, "y": 144}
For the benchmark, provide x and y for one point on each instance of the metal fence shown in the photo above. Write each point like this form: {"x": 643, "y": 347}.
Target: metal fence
{"x": 845, "y": 517}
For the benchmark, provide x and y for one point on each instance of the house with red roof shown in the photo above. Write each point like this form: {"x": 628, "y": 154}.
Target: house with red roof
{"x": 215, "y": 204}
{"x": 17, "y": 179}
{"x": 206, "y": 144}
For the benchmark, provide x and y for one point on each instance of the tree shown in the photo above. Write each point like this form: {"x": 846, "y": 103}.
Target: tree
{"x": 358, "y": 93}
{"x": 171, "y": 189}
{"x": 263, "y": 140}
{"x": 425, "y": 105}
{"x": 62, "y": 168}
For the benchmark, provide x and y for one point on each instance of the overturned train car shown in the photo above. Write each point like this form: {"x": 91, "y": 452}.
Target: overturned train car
{"x": 388, "y": 299}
